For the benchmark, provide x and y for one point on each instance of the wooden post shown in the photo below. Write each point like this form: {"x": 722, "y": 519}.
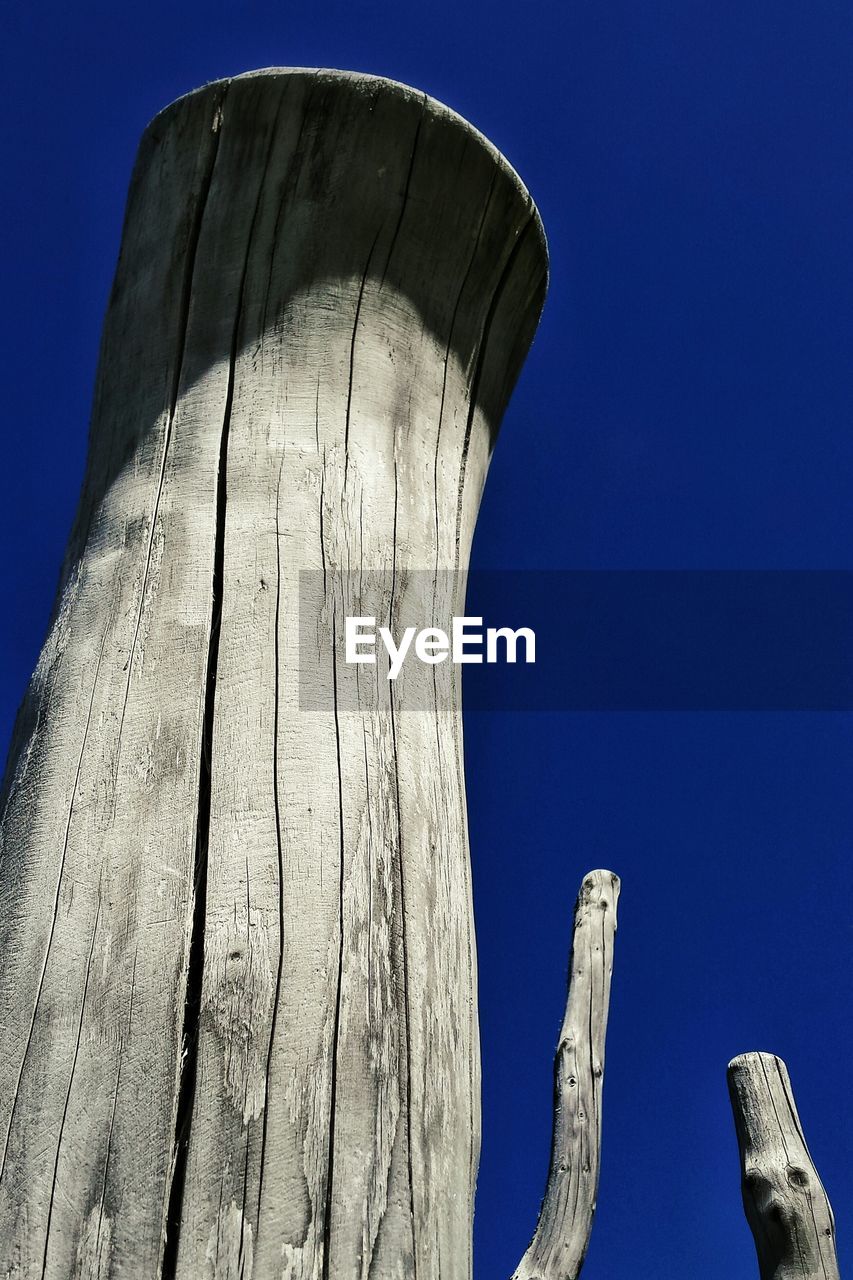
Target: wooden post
{"x": 237, "y": 972}
{"x": 562, "y": 1234}
{"x": 783, "y": 1197}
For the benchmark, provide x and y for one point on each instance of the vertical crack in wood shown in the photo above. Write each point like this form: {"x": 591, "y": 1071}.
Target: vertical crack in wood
{"x": 55, "y": 911}
{"x": 353, "y": 341}
{"x": 480, "y": 362}
{"x": 559, "y": 1246}
{"x": 447, "y": 352}
{"x": 330, "y": 1163}
{"x": 404, "y": 201}
{"x": 279, "y": 847}
{"x": 70, "y": 1085}
{"x": 784, "y": 1200}
{"x": 404, "y": 945}
{"x": 407, "y": 1013}
{"x": 406, "y": 189}
{"x": 195, "y": 962}
{"x": 108, "y": 1157}
{"x": 174, "y": 394}
{"x": 288, "y": 187}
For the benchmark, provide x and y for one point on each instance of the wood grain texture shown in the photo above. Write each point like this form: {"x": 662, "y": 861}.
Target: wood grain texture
{"x": 237, "y": 971}
{"x": 786, "y": 1206}
{"x": 559, "y": 1246}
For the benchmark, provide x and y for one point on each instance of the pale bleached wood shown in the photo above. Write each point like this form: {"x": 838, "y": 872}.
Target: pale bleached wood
{"x": 326, "y": 288}
{"x": 783, "y": 1197}
{"x": 101, "y": 795}
{"x": 562, "y": 1234}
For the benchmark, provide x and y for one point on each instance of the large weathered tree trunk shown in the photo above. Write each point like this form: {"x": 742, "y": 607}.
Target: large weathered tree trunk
{"x": 237, "y": 974}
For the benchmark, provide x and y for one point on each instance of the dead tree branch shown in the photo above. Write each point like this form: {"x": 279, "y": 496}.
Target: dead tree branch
{"x": 783, "y": 1197}
{"x": 562, "y": 1234}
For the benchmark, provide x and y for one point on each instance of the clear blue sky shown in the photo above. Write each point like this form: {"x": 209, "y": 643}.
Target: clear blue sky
{"x": 687, "y": 404}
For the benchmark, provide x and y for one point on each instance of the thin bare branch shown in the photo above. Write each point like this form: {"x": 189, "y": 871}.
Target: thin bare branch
{"x": 562, "y": 1234}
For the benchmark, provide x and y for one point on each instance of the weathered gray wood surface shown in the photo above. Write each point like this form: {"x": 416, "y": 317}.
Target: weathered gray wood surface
{"x": 236, "y": 962}
{"x": 783, "y": 1197}
{"x": 562, "y": 1234}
